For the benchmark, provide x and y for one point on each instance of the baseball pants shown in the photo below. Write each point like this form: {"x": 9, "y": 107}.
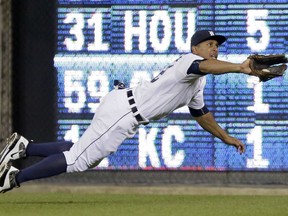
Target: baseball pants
{"x": 112, "y": 123}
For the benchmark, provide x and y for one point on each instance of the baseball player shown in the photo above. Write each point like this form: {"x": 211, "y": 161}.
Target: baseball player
{"x": 180, "y": 84}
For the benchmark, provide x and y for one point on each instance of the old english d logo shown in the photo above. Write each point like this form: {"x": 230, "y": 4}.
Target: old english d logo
{"x": 211, "y": 33}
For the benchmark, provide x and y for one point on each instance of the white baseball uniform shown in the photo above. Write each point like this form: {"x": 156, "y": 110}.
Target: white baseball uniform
{"x": 122, "y": 111}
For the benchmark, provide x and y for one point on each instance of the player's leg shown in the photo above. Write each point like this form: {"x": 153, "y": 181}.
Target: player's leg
{"x": 49, "y": 166}
{"x": 103, "y": 136}
{"x": 83, "y": 155}
{"x": 91, "y": 148}
{"x": 47, "y": 149}
{"x": 111, "y": 125}
{"x": 19, "y": 147}
{"x": 11, "y": 177}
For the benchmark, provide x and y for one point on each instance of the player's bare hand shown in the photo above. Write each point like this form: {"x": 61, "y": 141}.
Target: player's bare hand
{"x": 240, "y": 147}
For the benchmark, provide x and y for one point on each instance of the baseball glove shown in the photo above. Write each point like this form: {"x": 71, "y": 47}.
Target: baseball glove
{"x": 267, "y": 67}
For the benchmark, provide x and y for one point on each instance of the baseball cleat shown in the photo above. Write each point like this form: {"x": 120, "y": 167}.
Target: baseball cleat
{"x": 7, "y": 177}
{"x": 14, "y": 149}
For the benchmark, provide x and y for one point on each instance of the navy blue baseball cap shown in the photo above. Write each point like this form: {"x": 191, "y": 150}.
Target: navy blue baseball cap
{"x": 203, "y": 35}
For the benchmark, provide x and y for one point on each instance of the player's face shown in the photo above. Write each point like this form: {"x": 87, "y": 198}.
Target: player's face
{"x": 207, "y": 49}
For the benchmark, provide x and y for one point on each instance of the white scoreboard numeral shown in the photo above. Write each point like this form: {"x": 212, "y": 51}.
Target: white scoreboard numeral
{"x": 72, "y": 134}
{"x": 259, "y": 106}
{"x": 74, "y": 91}
{"x": 96, "y": 22}
{"x": 255, "y": 138}
{"x": 256, "y": 22}
{"x": 98, "y": 87}
{"x": 76, "y": 30}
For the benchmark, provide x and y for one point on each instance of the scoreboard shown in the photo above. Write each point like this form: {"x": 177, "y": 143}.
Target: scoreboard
{"x": 99, "y": 41}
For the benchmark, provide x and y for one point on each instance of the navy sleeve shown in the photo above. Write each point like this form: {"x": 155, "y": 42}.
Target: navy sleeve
{"x": 198, "y": 112}
{"x": 194, "y": 68}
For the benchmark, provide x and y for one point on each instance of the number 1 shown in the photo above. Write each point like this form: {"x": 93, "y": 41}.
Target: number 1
{"x": 255, "y": 138}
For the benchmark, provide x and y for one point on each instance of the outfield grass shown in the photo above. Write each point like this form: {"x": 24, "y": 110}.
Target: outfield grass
{"x": 80, "y": 204}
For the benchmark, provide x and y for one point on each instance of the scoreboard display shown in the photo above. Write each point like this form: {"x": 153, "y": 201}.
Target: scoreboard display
{"x": 99, "y": 41}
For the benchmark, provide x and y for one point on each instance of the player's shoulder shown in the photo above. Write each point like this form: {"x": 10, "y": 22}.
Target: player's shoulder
{"x": 190, "y": 57}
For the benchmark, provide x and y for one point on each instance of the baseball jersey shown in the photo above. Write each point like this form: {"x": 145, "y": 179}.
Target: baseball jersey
{"x": 178, "y": 85}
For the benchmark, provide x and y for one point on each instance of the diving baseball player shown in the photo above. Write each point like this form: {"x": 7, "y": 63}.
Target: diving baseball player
{"x": 122, "y": 111}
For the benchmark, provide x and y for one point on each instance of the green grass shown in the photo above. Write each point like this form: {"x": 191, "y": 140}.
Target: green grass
{"x": 74, "y": 204}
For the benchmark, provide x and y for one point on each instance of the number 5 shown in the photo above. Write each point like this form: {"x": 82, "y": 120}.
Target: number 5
{"x": 254, "y": 25}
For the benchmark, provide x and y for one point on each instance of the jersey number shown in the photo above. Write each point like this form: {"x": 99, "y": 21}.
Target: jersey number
{"x": 162, "y": 72}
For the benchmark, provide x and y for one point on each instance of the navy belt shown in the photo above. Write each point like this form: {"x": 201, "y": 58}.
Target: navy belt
{"x": 134, "y": 108}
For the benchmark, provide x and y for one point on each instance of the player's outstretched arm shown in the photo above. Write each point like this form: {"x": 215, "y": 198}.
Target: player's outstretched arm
{"x": 214, "y": 66}
{"x": 208, "y": 123}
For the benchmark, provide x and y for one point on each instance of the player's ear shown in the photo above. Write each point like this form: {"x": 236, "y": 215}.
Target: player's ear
{"x": 194, "y": 49}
